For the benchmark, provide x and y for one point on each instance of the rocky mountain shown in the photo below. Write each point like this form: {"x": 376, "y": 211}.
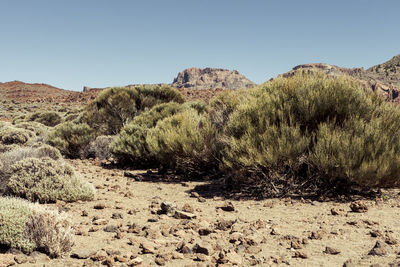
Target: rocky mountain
{"x": 384, "y": 79}
{"x": 211, "y": 78}
{"x": 388, "y": 72}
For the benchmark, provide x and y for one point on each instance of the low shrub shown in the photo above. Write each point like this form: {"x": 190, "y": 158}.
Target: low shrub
{"x": 27, "y": 226}
{"x": 47, "y": 180}
{"x": 72, "y": 139}
{"x": 116, "y": 106}
{"x": 100, "y": 147}
{"x": 37, "y": 128}
{"x": 48, "y": 118}
{"x": 11, "y": 135}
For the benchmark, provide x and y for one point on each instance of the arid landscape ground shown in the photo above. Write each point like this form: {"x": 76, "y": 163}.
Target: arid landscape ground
{"x": 143, "y": 218}
{"x": 123, "y": 227}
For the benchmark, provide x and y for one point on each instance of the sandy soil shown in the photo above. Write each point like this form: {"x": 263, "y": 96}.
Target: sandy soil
{"x": 271, "y": 232}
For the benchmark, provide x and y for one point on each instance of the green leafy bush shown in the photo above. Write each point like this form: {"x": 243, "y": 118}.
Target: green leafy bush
{"x": 27, "y": 226}
{"x": 47, "y": 180}
{"x": 116, "y": 106}
{"x": 72, "y": 139}
{"x": 184, "y": 141}
{"x": 131, "y": 145}
{"x": 311, "y": 130}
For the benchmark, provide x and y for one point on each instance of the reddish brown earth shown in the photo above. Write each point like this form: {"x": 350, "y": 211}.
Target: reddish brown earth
{"x": 21, "y": 92}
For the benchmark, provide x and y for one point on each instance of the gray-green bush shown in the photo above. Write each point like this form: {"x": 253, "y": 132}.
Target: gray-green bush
{"x": 47, "y": 180}
{"x": 72, "y": 139}
{"x": 27, "y": 226}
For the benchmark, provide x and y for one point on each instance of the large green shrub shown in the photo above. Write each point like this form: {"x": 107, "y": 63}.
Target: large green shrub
{"x": 131, "y": 145}
{"x": 27, "y": 226}
{"x": 116, "y": 106}
{"x": 47, "y": 180}
{"x": 184, "y": 141}
{"x": 72, "y": 139}
{"x": 312, "y": 130}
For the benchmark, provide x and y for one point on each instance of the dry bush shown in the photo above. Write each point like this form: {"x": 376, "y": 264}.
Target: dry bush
{"x": 47, "y": 180}
{"x": 27, "y": 226}
{"x": 100, "y": 147}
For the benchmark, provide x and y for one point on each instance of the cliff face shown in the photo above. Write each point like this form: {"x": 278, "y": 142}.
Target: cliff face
{"x": 211, "y": 78}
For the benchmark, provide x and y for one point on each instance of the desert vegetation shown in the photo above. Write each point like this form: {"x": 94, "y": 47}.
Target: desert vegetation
{"x": 303, "y": 135}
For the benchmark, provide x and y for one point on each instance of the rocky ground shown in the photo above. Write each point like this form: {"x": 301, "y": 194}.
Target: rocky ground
{"x": 140, "y": 219}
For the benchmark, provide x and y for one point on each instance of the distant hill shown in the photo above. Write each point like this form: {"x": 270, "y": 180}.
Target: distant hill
{"x": 384, "y": 79}
{"x": 40, "y": 92}
{"x": 196, "y": 83}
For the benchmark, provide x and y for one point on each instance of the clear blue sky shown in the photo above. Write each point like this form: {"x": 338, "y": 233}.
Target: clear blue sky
{"x": 101, "y": 43}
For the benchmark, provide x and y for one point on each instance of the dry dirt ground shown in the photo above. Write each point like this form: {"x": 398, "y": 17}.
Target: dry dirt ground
{"x": 125, "y": 226}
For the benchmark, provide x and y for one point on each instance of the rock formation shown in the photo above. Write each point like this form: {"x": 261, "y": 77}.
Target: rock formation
{"x": 211, "y": 78}
{"x": 384, "y": 79}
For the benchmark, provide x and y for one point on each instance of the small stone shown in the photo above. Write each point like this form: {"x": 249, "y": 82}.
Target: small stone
{"x": 275, "y": 231}
{"x": 194, "y": 194}
{"x": 111, "y": 229}
{"x": 300, "y": 254}
{"x": 168, "y": 208}
{"x": 205, "y": 231}
{"x": 136, "y": 261}
{"x": 390, "y": 240}
{"x": 99, "y": 206}
{"x": 184, "y": 215}
{"x": 117, "y": 216}
{"x": 358, "y": 206}
{"x": 85, "y": 213}
{"x": 332, "y": 251}
{"x": 296, "y": 244}
{"x": 20, "y": 258}
{"x": 225, "y": 225}
{"x": 100, "y": 222}
{"x": 318, "y": 235}
{"x": 188, "y": 208}
{"x": 228, "y": 207}
{"x": 147, "y": 247}
{"x": 201, "y": 199}
{"x": 375, "y": 233}
{"x": 336, "y": 211}
{"x": 203, "y": 248}
{"x": 379, "y": 249}
{"x": 82, "y": 253}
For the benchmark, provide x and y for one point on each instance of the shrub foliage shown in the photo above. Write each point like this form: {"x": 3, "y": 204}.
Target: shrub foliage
{"x": 47, "y": 180}
{"x": 27, "y": 226}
